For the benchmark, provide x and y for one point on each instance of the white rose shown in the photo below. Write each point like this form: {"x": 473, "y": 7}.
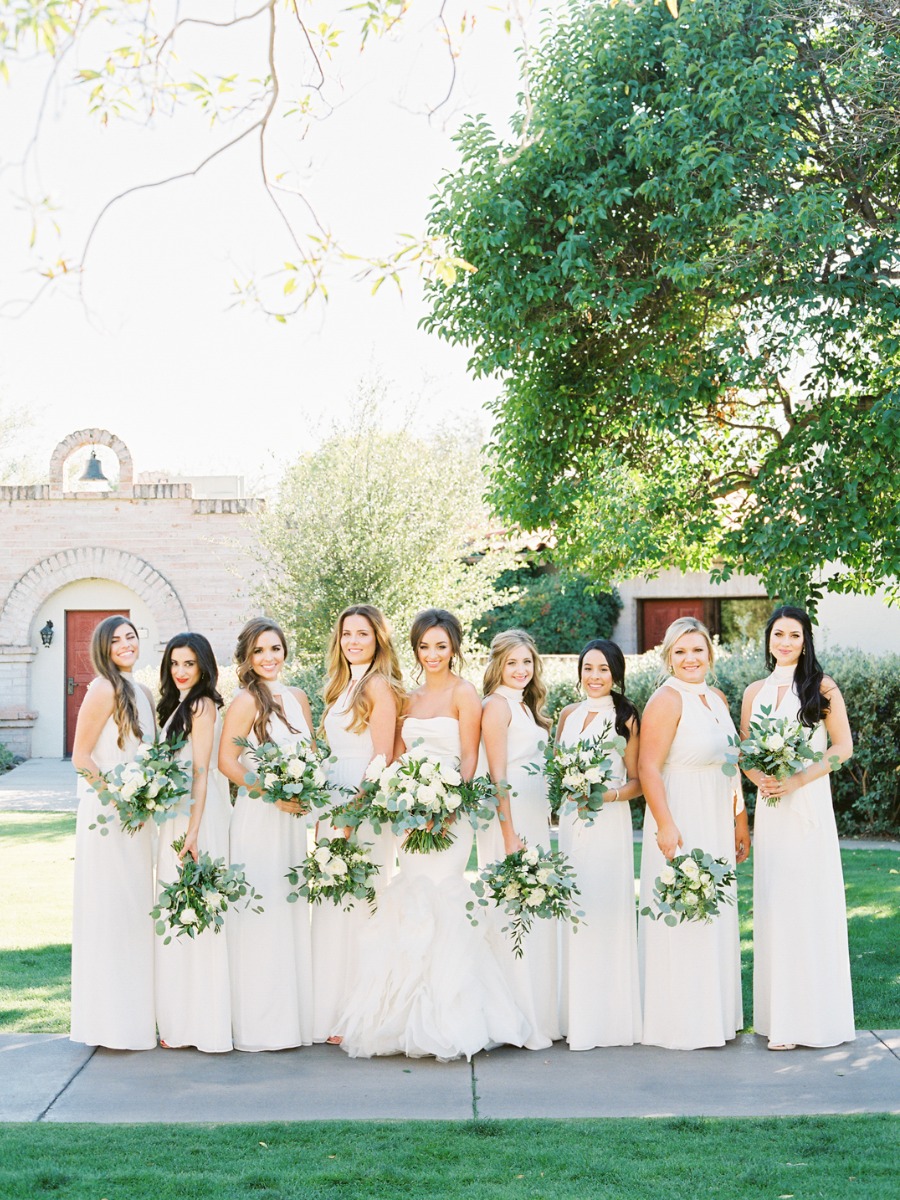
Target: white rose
{"x": 153, "y": 788}
{"x": 593, "y": 774}
{"x": 150, "y": 805}
{"x": 530, "y": 856}
{"x": 537, "y": 897}
{"x": 338, "y": 867}
{"x": 511, "y": 891}
{"x": 270, "y": 779}
{"x": 215, "y": 900}
{"x": 543, "y": 876}
{"x": 667, "y": 876}
{"x": 709, "y": 889}
{"x": 452, "y": 801}
{"x": 188, "y": 917}
{"x": 375, "y": 768}
{"x": 690, "y": 868}
{"x": 319, "y": 777}
{"x": 450, "y": 776}
{"x": 128, "y": 789}
{"x": 426, "y": 795}
{"x": 295, "y": 768}
{"x": 774, "y": 741}
{"x": 322, "y": 854}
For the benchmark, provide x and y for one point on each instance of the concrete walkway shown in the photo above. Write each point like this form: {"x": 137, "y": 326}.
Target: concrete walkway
{"x": 45, "y": 1077}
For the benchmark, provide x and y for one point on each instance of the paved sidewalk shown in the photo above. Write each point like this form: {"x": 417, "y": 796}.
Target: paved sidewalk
{"x": 45, "y": 1077}
{"x": 39, "y": 785}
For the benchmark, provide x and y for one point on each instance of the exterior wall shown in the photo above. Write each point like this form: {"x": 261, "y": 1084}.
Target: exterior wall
{"x": 859, "y": 622}
{"x": 175, "y": 561}
{"x": 669, "y": 585}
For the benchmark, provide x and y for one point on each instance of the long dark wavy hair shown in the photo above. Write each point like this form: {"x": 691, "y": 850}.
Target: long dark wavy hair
{"x": 170, "y": 703}
{"x": 267, "y": 705}
{"x": 125, "y": 709}
{"x": 808, "y": 675}
{"x": 625, "y": 709}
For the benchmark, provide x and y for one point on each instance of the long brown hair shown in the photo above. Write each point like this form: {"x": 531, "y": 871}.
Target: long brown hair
{"x": 384, "y": 664}
{"x": 267, "y": 705}
{"x": 535, "y": 694}
{"x": 125, "y": 709}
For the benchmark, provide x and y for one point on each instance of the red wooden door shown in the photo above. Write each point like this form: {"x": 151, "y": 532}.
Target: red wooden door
{"x": 658, "y": 615}
{"x": 80, "y": 626}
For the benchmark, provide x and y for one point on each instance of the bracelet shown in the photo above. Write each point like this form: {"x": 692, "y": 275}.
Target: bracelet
{"x": 616, "y": 796}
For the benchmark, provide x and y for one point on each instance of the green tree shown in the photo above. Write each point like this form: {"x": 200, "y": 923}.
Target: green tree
{"x": 689, "y": 280}
{"x": 382, "y": 518}
{"x": 560, "y": 609}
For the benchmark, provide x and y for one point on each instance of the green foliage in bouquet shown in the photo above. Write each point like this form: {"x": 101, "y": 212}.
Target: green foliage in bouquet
{"x": 579, "y": 776}
{"x": 531, "y": 884}
{"x": 691, "y": 888}
{"x": 293, "y": 771}
{"x": 338, "y": 870}
{"x": 152, "y": 787}
{"x": 200, "y": 896}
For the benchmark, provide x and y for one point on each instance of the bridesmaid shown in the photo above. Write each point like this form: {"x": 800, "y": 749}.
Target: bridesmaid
{"x": 600, "y": 987}
{"x": 801, "y": 967}
{"x": 112, "y": 931}
{"x": 270, "y": 953}
{"x": 691, "y": 972}
{"x": 363, "y": 698}
{"x": 192, "y": 990}
{"x": 513, "y": 728}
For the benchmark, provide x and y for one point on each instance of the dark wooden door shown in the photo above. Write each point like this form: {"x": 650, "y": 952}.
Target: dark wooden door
{"x": 80, "y": 626}
{"x": 658, "y": 615}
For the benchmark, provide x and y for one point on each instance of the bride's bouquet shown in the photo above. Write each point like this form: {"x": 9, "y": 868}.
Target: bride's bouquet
{"x": 578, "y": 776}
{"x": 292, "y": 771}
{"x": 691, "y": 888}
{"x": 152, "y": 787}
{"x": 776, "y": 746}
{"x": 416, "y": 796}
{"x": 530, "y": 884}
{"x": 339, "y": 870}
{"x": 198, "y": 898}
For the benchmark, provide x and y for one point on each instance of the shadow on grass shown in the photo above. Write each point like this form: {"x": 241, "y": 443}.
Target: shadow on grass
{"x": 35, "y": 989}
{"x": 18, "y": 827}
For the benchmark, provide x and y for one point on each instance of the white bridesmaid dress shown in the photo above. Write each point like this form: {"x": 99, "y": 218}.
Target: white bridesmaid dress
{"x": 691, "y": 973}
{"x": 193, "y": 998}
{"x": 533, "y": 978}
{"x": 801, "y": 964}
{"x": 600, "y": 991}
{"x": 112, "y": 930}
{"x": 336, "y": 934}
{"x": 428, "y": 983}
{"x": 270, "y": 953}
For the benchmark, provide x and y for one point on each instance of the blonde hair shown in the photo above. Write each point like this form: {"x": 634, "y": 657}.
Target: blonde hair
{"x": 385, "y": 664}
{"x": 267, "y": 705}
{"x": 677, "y": 630}
{"x": 125, "y": 709}
{"x": 535, "y": 694}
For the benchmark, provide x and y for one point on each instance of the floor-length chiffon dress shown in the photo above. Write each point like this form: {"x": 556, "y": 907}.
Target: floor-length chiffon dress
{"x": 691, "y": 973}
{"x": 112, "y": 930}
{"x": 600, "y": 989}
{"x": 802, "y": 991}
{"x": 270, "y": 953}
{"x": 428, "y": 982}
{"x": 193, "y": 997}
{"x": 533, "y": 978}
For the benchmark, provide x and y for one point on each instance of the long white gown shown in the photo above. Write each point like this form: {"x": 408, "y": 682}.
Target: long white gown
{"x": 801, "y": 964}
{"x": 112, "y": 931}
{"x": 193, "y": 1001}
{"x": 336, "y": 934}
{"x": 691, "y": 973}
{"x": 270, "y": 953}
{"x": 533, "y": 978}
{"x": 600, "y": 992}
{"x": 428, "y": 982}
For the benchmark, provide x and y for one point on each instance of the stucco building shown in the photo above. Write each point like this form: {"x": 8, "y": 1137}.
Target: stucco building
{"x": 170, "y": 555}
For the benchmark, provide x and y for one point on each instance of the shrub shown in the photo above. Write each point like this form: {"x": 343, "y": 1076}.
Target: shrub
{"x": 7, "y": 759}
{"x": 558, "y": 608}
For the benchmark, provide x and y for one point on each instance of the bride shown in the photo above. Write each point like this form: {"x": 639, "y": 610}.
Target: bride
{"x": 427, "y": 981}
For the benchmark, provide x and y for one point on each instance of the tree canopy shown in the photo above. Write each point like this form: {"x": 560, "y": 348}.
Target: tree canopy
{"x": 378, "y": 517}
{"x": 688, "y": 278}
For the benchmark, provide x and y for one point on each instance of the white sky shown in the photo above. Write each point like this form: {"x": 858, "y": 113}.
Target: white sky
{"x": 158, "y": 357}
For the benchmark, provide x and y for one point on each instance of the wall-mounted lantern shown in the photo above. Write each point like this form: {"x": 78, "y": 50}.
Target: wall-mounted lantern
{"x": 47, "y": 634}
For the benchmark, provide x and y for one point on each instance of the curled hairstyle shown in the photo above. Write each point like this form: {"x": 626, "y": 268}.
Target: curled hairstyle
{"x": 437, "y": 618}
{"x": 384, "y": 664}
{"x": 170, "y": 703}
{"x": 267, "y": 705}
{"x": 125, "y": 709}
{"x": 535, "y": 694}
{"x": 809, "y": 674}
{"x": 677, "y": 630}
{"x": 625, "y": 710}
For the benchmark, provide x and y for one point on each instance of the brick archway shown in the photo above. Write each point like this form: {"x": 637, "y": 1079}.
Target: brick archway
{"x": 91, "y": 437}
{"x": 88, "y": 562}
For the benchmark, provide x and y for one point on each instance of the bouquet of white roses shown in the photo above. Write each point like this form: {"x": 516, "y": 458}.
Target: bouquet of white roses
{"x": 690, "y": 888}
{"x": 153, "y": 786}
{"x": 338, "y": 870}
{"x": 578, "y": 776}
{"x": 197, "y": 900}
{"x": 293, "y": 771}
{"x": 532, "y": 883}
{"x": 776, "y": 746}
{"x": 417, "y": 796}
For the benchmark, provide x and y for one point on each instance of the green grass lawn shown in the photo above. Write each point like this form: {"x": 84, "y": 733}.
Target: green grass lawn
{"x": 834, "y": 1158}
{"x": 36, "y": 857}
